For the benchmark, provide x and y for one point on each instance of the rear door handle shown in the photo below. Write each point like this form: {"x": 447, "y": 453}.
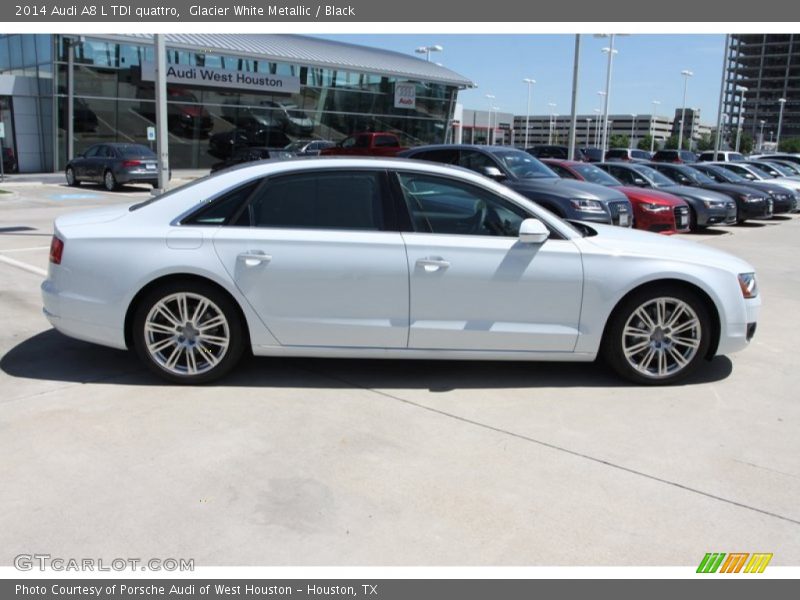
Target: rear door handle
{"x": 254, "y": 258}
{"x": 432, "y": 264}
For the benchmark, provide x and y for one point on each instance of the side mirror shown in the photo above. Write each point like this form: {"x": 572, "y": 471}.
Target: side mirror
{"x": 493, "y": 173}
{"x": 533, "y": 231}
{"x": 639, "y": 182}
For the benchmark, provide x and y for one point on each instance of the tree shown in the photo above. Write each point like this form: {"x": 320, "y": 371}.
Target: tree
{"x": 645, "y": 143}
{"x": 746, "y": 144}
{"x": 790, "y": 145}
{"x": 672, "y": 143}
{"x": 618, "y": 141}
{"x": 705, "y": 143}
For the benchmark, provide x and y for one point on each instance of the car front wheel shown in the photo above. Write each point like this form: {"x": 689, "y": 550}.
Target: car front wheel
{"x": 188, "y": 332}
{"x": 71, "y": 179}
{"x": 109, "y": 181}
{"x": 658, "y": 336}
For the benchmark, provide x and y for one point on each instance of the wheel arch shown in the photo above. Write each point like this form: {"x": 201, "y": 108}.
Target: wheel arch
{"x": 171, "y": 277}
{"x": 707, "y": 300}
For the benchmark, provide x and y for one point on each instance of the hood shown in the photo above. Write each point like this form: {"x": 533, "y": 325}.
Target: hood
{"x": 621, "y": 240}
{"x": 730, "y": 188}
{"x": 685, "y": 191}
{"x": 90, "y": 217}
{"x": 569, "y": 188}
{"x": 650, "y": 195}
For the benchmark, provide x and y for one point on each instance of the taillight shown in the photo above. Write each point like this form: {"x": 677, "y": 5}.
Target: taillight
{"x": 131, "y": 163}
{"x": 56, "y": 250}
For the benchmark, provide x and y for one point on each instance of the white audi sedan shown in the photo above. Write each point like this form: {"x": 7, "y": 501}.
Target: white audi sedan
{"x": 386, "y": 258}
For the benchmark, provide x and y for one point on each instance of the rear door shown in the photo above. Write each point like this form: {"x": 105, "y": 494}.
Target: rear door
{"x": 322, "y": 264}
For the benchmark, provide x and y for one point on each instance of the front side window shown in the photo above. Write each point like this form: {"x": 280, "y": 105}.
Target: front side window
{"x": 320, "y": 200}
{"x": 475, "y": 161}
{"x": 444, "y": 206}
{"x": 386, "y": 141}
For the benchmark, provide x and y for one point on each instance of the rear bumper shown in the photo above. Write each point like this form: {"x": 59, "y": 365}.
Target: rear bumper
{"x": 137, "y": 176}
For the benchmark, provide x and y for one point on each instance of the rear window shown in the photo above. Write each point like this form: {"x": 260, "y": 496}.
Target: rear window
{"x": 135, "y": 150}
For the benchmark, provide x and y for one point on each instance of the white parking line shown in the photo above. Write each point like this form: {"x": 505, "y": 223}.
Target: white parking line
{"x": 23, "y": 266}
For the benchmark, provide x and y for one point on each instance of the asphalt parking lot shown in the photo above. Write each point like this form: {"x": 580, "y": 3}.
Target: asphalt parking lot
{"x": 348, "y": 462}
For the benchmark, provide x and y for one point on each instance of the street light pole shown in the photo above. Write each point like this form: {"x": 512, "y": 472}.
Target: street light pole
{"x": 530, "y": 83}
{"x": 588, "y": 120}
{"x": 653, "y": 126}
{"x": 597, "y": 126}
{"x": 739, "y": 121}
{"x": 609, "y": 66}
{"x": 780, "y": 123}
{"x": 718, "y": 141}
{"x": 761, "y": 134}
{"x": 552, "y": 106}
{"x": 633, "y": 124}
{"x": 686, "y": 74}
{"x": 489, "y": 97}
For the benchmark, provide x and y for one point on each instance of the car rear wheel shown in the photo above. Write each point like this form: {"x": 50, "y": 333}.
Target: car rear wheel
{"x": 658, "y": 336}
{"x": 188, "y": 332}
{"x": 109, "y": 181}
{"x": 71, "y": 179}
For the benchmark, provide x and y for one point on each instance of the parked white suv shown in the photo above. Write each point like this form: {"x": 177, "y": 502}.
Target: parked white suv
{"x": 722, "y": 156}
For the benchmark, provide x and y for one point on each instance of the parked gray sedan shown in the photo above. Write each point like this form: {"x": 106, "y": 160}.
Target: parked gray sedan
{"x": 114, "y": 164}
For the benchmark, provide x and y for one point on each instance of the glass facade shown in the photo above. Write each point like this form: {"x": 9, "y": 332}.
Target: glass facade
{"x": 26, "y": 101}
{"x": 113, "y": 103}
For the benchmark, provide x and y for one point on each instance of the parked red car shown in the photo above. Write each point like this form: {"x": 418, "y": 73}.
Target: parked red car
{"x": 366, "y": 144}
{"x": 652, "y": 210}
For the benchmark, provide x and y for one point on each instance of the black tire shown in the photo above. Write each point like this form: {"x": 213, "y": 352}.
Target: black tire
{"x": 72, "y": 180}
{"x": 109, "y": 181}
{"x": 660, "y": 341}
{"x": 189, "y": 340}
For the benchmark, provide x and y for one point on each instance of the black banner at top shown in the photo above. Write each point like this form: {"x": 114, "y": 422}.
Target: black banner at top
{"x": 355, "y": 11}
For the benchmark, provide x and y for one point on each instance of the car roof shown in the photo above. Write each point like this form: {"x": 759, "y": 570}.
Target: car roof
{"x": 488, "y": 149}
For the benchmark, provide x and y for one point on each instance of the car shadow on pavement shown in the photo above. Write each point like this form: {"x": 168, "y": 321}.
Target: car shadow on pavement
{"x": 50, "y": 356}
{"x": 99, "y": 187}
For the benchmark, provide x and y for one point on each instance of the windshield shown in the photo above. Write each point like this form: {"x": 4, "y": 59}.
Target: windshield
{"x": 657, "y": 178}
{"x": 697, "y": 176}
{"x": 725, "y": 176}
{"x": 593, "y": 174}
{"x": 760, "y": 172}
{"x": 523, "y": 166}
{"x": 781, "y": 169}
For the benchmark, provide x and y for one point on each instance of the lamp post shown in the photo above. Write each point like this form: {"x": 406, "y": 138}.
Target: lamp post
{"x": 761, "y": 134}
{"x": 495, "y": 109}
{"x": 653, "y": 127}
{"x": 607, "y": 137}
{"x": 588, "y": 120}
{"x": 780, "y": 123}
{"x": 611, "y": 52}
{"x": 426, "y": 50}
{"x": 530, "y": 83}
{"x": 597, "y": 126}
{"x": 686, "y": 74}
{"x": 489, "y": 97}
{"x": 633, "y": 124}
{"x": 739, "y": 120}
{"x": 552, "y": 106}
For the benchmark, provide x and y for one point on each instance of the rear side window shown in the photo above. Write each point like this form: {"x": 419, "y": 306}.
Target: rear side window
{"x": 617, "y": 154}
{"x": 225, "y": 210}
{"x": 448, "y": 157}
{"x": 330, "y": 200}
{"x": 386, "y": 141}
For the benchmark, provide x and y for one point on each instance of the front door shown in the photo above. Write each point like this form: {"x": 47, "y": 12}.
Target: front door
{"x": 474, "y": 286}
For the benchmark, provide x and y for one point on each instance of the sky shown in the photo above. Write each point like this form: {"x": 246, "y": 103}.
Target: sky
{"x": 647, "y": 67}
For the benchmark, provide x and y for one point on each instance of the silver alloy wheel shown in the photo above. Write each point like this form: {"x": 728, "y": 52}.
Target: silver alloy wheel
{"x": 661, "y": 337}
{"x": 186, "y": 334}
{"x": 110, "y": 181}
{"x": 70, "y": 176}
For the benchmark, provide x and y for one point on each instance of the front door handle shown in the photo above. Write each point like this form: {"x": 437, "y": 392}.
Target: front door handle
{"x": 254, "y": 258}
{"x": 432, "y": 264}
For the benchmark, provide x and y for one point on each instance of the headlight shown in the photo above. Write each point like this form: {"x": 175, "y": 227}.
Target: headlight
{"x": 747, "y": 281}
{"x": 749, "y": 198}
{"x": 587, "y": 205}
{"x": 714, "y": 204}
{"x": 648, "y": 206}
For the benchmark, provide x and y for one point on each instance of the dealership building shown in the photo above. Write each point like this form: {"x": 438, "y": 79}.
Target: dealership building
{"x": 223, "y": 91}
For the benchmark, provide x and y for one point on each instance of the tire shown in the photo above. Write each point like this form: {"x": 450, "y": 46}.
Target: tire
{"x": 169, "y": 335}
{"x": 640, "y": 341}
{"x": 71, "y": 179}
{"x": 109, "y": 181}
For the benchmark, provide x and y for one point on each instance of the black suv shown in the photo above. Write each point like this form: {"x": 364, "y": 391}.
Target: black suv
{"x": 675, "y": 156}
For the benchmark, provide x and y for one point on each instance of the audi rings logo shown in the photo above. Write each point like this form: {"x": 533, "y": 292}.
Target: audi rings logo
{"x": 405, "y": 95}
